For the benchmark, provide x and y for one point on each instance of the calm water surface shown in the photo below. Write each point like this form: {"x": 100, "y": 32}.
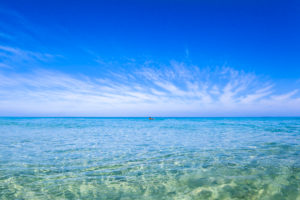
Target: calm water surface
{"x": 134, "y": 158}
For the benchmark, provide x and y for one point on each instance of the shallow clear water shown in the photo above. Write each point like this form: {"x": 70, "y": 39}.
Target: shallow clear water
{"x": 134, "y": 158}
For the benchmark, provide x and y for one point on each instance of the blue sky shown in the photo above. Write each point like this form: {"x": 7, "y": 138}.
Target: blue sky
{"x": 141, "y": 58}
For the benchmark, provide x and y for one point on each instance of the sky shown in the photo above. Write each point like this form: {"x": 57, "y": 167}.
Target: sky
{"x": 150, "y": 58}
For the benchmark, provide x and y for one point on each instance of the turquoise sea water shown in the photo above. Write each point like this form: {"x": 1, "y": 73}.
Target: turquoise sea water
{"x": 165, "y": 158}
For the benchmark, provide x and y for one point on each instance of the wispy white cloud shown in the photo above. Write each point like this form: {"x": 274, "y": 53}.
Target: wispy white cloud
{"x": 24, "y": 44}
{"x": 12, "y": 55}
{"x": 2, "y": 65}
{"x": 6, "y": 36}
{"x": 175, "y": 90}
{"x": 284, "y": 97}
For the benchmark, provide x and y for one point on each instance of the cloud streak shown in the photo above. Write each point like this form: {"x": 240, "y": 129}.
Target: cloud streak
{"x": 175, "y": 90}
{"x": 14, "y": 55}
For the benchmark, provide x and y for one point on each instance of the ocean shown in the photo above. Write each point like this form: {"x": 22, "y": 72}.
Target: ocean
{"x": 137, "y": 158}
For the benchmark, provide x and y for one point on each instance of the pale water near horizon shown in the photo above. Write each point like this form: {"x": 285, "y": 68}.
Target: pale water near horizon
{"x": 137, "y": 158}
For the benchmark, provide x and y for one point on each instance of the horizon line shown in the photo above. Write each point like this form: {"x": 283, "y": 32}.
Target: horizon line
{"x": 149, "y": 116}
